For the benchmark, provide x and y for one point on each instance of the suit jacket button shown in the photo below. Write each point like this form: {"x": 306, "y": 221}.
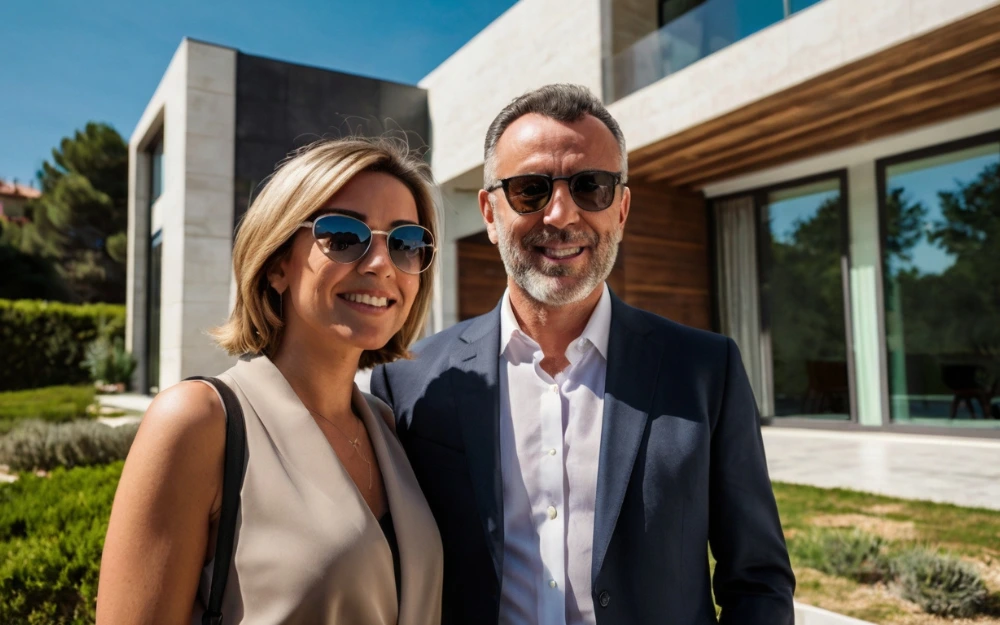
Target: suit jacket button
{"x": 604, "y": 599}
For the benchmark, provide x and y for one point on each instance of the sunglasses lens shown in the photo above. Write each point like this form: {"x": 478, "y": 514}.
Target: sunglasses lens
{"x": 345, "y": 239}
{"x": 527, "y": 194}
{"x": 411, "y": 248}
{"x": 593, "y": 190}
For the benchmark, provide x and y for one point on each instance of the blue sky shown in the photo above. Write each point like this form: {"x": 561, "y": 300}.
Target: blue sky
{"x": 65, "y": 62}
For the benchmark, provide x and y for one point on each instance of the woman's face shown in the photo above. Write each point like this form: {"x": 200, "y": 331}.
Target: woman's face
{"x": 321, "y": 297}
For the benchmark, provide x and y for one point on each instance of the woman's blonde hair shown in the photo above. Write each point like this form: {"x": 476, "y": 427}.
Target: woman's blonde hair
{"x": 298, "y": 189}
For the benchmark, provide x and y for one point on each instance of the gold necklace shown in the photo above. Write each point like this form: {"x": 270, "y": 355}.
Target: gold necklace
{"x": 355, "y": 443}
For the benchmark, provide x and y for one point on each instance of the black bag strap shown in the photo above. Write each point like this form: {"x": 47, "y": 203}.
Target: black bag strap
{"x": 232, "y": 482}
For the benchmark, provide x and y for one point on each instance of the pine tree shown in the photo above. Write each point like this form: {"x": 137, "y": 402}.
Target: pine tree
{"x": 79, "y": 221}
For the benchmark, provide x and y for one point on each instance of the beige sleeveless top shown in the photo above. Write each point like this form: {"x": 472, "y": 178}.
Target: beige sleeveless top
{"x": 308, "y": 548}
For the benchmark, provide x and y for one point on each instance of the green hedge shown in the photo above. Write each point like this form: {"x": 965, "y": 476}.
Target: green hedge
{"x": 44, "y": 343}
{"x": 51, "y": 537}
{"x": 54, "y": 403}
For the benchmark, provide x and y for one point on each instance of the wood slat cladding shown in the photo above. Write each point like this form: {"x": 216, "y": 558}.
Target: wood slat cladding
{"x": 662, "y": 266}
{"x": 946, "y": 73}
{"x": 665, "y": 249}
{"x": 481, "y": 276}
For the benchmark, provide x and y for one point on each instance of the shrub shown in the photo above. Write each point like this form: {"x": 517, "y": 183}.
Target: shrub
{"x": 43, "y": 343}
{"x": 855, "y": 555}
{"x": 941, "y": 585}
{"x": 54, "y": 403}
{"x": 51, "y": 537}
{"x": 39, "y": 445}
{"x": 107, "y": 361}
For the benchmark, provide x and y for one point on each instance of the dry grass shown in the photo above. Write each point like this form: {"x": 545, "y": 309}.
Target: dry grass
{"x": 972, "y": 534}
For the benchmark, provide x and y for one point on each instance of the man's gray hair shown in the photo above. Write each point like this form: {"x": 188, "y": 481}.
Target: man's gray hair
{"x": 561, "y": 102}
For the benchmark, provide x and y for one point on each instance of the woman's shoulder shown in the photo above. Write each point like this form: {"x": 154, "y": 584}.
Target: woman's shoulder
{"x": 185, "y": 423}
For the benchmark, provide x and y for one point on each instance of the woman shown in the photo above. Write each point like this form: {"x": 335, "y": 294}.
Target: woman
{"x": 332, "y": 264}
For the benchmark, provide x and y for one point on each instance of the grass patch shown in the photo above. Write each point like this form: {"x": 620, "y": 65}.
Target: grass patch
{"x": 842, "y": 543}
{"x": 52, "y": 403}
{"x": 967, "y": 531}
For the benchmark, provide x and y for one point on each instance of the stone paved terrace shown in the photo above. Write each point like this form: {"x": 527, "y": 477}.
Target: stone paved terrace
{"x": 962, "y": 471}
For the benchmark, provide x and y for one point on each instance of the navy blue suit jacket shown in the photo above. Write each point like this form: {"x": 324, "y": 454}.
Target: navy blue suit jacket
{"x": 681, "y": 468}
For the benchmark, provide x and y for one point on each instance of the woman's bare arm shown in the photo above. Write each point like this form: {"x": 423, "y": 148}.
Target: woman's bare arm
{"x": 169, "y": 490}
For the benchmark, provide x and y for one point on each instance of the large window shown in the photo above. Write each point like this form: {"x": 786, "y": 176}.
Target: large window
{"x": 802, "y": 253}
{"x": 782, "y": 278}
{"x": 941, "y": 273}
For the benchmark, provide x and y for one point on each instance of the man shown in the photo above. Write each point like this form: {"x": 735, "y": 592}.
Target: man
{"x": 580, "y": 455}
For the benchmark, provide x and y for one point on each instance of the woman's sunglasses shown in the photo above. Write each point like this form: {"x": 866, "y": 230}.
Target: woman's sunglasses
{"x": 530, "y": 193}
{"x": 346, "y": 240}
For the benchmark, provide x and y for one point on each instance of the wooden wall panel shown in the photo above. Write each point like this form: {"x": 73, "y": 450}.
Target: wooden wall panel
{"x": 667, "y": 269}
{"x": 481, "y": 277}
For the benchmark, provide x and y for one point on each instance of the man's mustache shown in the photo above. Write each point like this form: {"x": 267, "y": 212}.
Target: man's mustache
{"x": 549, "y": 234}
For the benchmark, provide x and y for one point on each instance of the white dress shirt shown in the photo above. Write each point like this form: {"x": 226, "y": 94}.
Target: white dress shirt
{"x": 550, "y": 442}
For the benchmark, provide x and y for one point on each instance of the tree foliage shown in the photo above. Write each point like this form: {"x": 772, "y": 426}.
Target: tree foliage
{"x": 78, "y": 224}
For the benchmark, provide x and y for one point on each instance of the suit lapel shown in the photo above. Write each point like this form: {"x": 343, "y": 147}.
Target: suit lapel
{"x": 633, "y": 367}
{"x": 475, "y": 382}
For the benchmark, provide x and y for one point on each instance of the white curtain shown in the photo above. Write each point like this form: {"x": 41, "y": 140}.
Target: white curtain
{"x": 739, "y": 293}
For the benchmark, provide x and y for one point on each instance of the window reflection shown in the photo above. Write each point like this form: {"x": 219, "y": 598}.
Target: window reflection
{"x": 941, "y": 254}
{"x": 802, "y": 295}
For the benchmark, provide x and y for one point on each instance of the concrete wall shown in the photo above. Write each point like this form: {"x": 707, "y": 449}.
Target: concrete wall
{"x": 194, "y": 108}
{"x": 534, "y": 43}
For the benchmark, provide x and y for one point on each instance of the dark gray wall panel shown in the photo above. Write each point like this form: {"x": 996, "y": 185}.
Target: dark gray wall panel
{"x": 281, "y": 107}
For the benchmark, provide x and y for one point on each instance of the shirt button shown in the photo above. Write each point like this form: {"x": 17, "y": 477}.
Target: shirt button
{"x": 554, "y": 388}
{"x": 552, "y": 583}
{"x": 553, "y": 513}
{"x": 552, "y": 451}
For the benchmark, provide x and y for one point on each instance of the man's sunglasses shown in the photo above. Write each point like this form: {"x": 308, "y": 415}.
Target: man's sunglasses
{"x": 530, "y": 193}
{"x": 346, "y": 240}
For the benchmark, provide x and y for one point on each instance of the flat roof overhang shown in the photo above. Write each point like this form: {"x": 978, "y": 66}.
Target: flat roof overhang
{"x": 945, "y": 73}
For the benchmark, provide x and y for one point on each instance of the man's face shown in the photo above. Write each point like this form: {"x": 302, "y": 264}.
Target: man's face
{"x": 560, "y": 254}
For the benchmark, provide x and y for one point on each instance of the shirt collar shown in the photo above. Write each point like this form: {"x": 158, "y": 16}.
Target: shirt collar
{"x": 596, "y": 332}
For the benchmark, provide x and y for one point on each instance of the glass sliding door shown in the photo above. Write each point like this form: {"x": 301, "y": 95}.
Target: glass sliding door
{"x": 941, "y": 273}
{"x": 803, "y": 266}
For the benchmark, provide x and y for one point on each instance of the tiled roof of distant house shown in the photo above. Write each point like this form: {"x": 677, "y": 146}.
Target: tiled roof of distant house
{"x": 13, "y": 189}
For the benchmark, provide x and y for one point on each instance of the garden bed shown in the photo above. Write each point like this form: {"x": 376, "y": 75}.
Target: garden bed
{"x": 901, "y": 526}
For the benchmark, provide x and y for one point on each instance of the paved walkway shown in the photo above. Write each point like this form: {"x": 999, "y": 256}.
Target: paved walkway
{"x": 962, "y": 471}
{"x": 132, "y": 402}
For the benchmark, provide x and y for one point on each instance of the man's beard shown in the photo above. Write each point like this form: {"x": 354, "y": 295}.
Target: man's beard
{"x": 542, "y": 283}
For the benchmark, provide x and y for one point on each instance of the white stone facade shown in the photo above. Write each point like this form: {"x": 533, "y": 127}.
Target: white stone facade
{"x": 194, "y": 108}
